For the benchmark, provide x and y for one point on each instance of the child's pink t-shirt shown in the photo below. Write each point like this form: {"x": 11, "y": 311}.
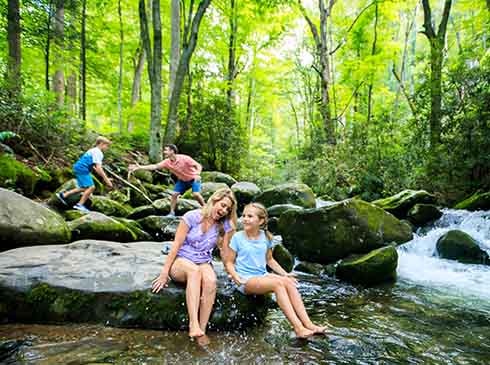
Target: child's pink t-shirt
{"x": 184, "y": 167}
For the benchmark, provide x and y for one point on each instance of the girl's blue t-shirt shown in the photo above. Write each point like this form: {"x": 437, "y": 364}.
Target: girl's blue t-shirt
{"x": 250, "y": 258}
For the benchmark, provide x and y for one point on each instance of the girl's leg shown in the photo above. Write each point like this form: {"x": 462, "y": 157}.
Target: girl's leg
{"x": 208, "y": 294}
{"x": 270, "y": 283}
{"x": 187, "y": 272}
{"x": 298, "y": 305}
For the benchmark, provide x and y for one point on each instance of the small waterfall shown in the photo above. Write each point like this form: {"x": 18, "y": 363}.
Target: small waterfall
{"x": 419, "y": 264}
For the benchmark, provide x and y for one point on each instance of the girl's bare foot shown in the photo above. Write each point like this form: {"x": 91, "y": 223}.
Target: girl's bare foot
{"x": 303, "y": 332}
{"x": 317, "y": 329}
{"x": 203, "y": 340}
{"x": 196, "y": 332}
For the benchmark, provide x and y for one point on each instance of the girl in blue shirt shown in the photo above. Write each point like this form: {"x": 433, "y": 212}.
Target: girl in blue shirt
{"x": 250, "y": 251}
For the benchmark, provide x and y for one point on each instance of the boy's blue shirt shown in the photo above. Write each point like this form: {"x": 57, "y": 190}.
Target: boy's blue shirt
{"x": 88, "y": 160}
{"x": 250, "y": 258}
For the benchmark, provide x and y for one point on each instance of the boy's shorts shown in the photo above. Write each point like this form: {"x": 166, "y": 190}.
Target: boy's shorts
{"x": 84, "y": 180}
{"x": 182, "y": 186}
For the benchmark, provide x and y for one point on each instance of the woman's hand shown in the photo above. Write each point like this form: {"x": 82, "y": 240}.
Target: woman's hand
{"x": 291, "y": 276}
{"x": 160, "y": 282}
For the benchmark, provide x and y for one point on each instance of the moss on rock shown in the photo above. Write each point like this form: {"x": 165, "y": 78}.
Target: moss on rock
{"x": 290, "y": 193}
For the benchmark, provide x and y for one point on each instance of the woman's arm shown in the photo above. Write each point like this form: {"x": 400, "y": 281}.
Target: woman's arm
{"x": 162, "y": 279}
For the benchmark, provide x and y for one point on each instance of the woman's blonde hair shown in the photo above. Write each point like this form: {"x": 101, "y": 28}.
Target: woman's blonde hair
{"x": 261, "y": 213}
{"x": 216, "y": 197}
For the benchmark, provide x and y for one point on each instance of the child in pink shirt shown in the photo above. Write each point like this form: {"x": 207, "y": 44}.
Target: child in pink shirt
{"x": 184, "y": 167}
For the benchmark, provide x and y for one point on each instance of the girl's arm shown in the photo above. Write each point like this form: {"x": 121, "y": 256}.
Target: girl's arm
{"x": 162, "y": 279}
{"x": 274, "y": 265}
{"x": 230, "y": 267}
{"x": 225, "y": 246}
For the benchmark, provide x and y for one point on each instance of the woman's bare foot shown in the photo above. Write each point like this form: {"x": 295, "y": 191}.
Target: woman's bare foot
{"x": 303, "y": 332}
{"x": 317, "y": 329}
{"x": 196, "y": 332}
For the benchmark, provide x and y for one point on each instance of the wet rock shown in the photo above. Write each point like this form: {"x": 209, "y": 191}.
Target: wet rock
{"x": 245, "y": 192}
{"x": 108, "y": 283}
{"x": 160, "y": 228}
{"x": 278, "y": 209}
{"x": 24, "y": 222}
{"x": 309, "y": 268}
{"x": 218, "y": 177}
{"x": 162, "y": 207}
{"x": 421, "y": 214}
{"x": 95, "y": 225}
{"x": 478, "y": 201}
{"x": 290, "y": 193}
{"x": 460, "y": 246}
{"x": 326, "y": 234}
{"x": 109, "y": 207}
{"x": 283, "y": 257}
{"x": 376, "y": 267}
{"x": 208, "y": 188}
{"x": 401, "y": 203}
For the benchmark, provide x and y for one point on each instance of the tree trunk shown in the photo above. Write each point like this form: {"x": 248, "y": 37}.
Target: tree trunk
{"x": 437, "y": 42}
{"x": 71, "y": 93}
{"x": 47, "y": 47}
{"x": 370, "y": 87}
{"x": 14, "y": 60}
{"x": 83, "y": 63}
{"x": 232, "y": 67}
{"x": 174, "y": 45}
{"x": 121, "y": 63}
{"x": 154, "y": 60}
{"x": 58, "y": 37}
{"x": 188, "y": 50}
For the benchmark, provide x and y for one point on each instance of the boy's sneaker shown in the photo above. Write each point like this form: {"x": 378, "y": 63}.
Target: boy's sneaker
{"x": 171, "y": 214}
{"x": 81, "y": 208}
{"x": 61, "y": 198}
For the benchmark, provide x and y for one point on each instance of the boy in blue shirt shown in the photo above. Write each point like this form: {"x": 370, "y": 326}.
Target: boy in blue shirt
{"x": 82, "y": 168}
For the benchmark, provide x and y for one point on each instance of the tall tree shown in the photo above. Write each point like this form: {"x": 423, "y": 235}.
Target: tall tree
{"x": 320, "y": 38}
{"x": 437, "y": 41}
{"x": 373, "y": 52}
{"x": 121, "y": 63}
{"x": 174, "y": 45}
{"x": 139, "y": 64}
{"x": 83, "y": 63}
{"x": 154, "y": 61}
{"x": 14, "y": 60}
{"x": 59, "y": 45}
{"x": 232, "y": 60}
{"x": 190, "y": 42}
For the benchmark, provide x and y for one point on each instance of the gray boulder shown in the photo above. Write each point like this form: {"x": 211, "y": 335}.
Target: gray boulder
{"x": 108, "y": 283}
{"x": 24, "y": 222}
{"x": 160, "y": 228}
{"x": 208, "y": 188}
{"x": 218, "y": 177}
{"x": 278, "y": 209}
{"x": 460, "y": 246}
{"x": 290, "y": 193}
{"x": 326, "y": 234}
{"x": 245, "y": 192}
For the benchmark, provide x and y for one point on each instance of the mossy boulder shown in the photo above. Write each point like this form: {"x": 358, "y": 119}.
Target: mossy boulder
{"x": 326, "y": 234}
{"x": 376, "y": 267}
{"x": 309, "y": 268}
{"x": 16, "y": 175}
{"x": 162, "y": 206}
{"x": 72, "y": 214}
{"x": 160, "y": 228}
{"x": 95, "y": 225}
{"x": 218, "y": 177}
{"x": 245, "y": 192}
{"x": 460, "y": 246}
{"x": 135, "y": 228}
{"x": 208, "y": 188}
{"x": 108, "y": 206}
{"x": 143, "y": 175}
{"x": 421, "y": 214}
{"x": 290, "y": 193}
{"x": 119, "y": 196}
{"x": 278, "y": 209}
{"x": 109, "y": 283}
{"x": 24, "y": 222}
{"x": 401, "y": 203}
{"x": 283, "y": 257}
{"x": 478, "y": 201}
{"x": 157, "y": 191}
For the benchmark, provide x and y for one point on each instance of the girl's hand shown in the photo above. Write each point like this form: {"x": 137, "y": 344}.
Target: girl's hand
{"x": 160, "y": 282}
{"x": 239, "y": 281}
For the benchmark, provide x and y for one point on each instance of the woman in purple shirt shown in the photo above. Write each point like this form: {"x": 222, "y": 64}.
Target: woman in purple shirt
{"x": 189, "y": 260}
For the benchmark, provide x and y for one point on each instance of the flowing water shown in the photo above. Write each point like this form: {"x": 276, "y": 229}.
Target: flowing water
{"x": 438, "y": 312}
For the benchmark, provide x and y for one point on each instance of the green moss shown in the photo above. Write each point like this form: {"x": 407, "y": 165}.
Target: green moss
{"x": 41, "y": 294}
{"x": 478, "y": 201}
{"x": 14, "y": 174}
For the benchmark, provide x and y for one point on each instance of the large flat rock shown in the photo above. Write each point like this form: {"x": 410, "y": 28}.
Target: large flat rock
{"x": 109, "y": 283}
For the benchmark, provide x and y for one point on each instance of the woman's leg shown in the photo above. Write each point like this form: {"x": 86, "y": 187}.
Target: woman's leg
{"x": 298, "y": 305}
{"x": 187, "y": 272}
{"x": 274, "y": 283}
{"x": 208, "y": 294}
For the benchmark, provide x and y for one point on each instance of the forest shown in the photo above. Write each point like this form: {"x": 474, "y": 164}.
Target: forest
{"x": 361, "y": 97}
